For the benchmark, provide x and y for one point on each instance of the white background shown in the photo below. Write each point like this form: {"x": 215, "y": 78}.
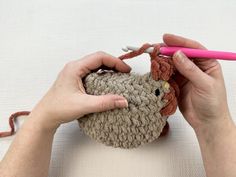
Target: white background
{"x": 37, "y": 37}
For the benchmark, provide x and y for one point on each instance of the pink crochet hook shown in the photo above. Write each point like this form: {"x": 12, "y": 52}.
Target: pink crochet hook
{"x": 191, "y": 53}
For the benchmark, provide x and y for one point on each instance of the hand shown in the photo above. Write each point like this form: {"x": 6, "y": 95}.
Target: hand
{"x": 67, "y": 100}
{"x": 202, "y": 99}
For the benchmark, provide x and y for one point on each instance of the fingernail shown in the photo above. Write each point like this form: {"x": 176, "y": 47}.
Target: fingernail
{"x": 128, "y": 67}
{"x": 121, "y": 103}
{"x": 179, "y": 56}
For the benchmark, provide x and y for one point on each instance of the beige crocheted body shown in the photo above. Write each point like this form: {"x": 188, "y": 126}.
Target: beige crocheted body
{"x": 130, "y": 127}
{"x": 152, "y": 98}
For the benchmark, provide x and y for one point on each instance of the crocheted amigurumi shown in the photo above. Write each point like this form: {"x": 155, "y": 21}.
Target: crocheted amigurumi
{"x": 151, "y": 97}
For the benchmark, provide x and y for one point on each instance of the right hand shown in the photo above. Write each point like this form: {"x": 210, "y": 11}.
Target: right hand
{"x": 202, "y": 99}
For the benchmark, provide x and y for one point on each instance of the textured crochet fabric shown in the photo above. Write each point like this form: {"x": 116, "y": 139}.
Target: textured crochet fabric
{"x": 152, "y": 97}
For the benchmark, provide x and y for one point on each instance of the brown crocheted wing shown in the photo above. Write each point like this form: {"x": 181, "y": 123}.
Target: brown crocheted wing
{"x": 162, "y": 68}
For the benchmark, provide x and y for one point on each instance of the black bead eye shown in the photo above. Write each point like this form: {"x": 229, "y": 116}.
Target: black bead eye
{"x": 157, "y": 92}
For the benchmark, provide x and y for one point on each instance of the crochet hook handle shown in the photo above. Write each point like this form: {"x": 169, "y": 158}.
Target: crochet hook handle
{"x": 191, "y": 53}
{"x": 198, "y": 53}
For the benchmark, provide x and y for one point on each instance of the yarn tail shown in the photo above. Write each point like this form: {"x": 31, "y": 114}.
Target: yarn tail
{"x": 12, "y": 119}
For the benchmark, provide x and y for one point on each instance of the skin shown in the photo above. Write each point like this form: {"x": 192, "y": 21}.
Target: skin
{"x": 202, "y": 102}
{"x": 30, "y": 152}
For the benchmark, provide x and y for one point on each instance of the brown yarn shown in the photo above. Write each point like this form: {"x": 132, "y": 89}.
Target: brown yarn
{"x": 161, "y": 68}
{"x": 12, "y": 119}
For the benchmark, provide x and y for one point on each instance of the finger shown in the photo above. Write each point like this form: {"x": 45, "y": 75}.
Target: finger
{"x": 203, "y": 64}
{"x": 102, "y": 103}
{"x": 179, "y": 79}
{"x": 174, "y": 40}
{"x": 190, "y": 71}
{"x": 98, "y": 59}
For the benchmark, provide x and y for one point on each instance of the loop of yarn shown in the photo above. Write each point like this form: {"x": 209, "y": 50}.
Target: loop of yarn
{"x": 145, "y": 118}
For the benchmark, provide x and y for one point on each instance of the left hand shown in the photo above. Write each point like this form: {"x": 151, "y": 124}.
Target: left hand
{"x": 67, "y": 100}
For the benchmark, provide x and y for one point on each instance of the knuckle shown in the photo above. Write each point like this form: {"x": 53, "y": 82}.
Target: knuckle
{"x": 103, "y": 105}
{"x": 196, "y": 43}
{"x": 199, "y": 45}
{"x": 68, "y": 67}
{"x": 211, "y": 84}
{"x": 191, "y": 67}
{"x": 100, "y": 53}
{"x": 106, "y": 103}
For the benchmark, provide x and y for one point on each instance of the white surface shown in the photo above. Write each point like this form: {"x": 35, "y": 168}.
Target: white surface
{"x": 38, "y": 37}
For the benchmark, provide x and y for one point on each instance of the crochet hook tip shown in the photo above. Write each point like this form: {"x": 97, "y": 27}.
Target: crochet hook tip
{"x": 125, "y": 49}
{"x": 132, "y": 48}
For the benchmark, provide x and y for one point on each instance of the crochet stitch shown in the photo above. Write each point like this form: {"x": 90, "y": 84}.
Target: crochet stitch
{"x": 151, "y": 98}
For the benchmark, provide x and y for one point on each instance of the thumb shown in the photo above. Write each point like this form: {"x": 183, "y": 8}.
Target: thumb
{"x": 190, "y": 71}
{"x": 102, "y": 103}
